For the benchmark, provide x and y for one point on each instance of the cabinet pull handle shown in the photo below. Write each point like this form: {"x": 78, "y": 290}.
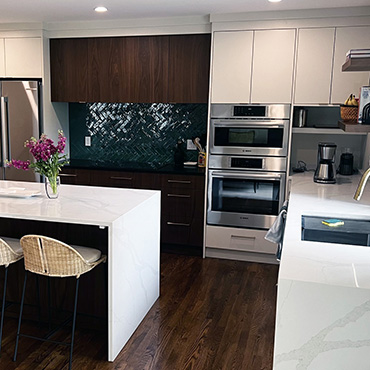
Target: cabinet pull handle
{"x": 177, "y": 224}
{"x": 178, "y": 195}
{"x": 243, "y": 237}
{"x": 67, "y": 175}
{"x": 179, "y": 181}
{"x": 121, "y": 178}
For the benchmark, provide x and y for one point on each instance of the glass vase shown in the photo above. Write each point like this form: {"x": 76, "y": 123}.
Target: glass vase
{"x": 52, "y": 185}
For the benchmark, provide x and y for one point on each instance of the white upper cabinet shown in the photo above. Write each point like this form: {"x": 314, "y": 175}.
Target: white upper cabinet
{"x": 273, "y": 61}
{"x": 23, "y": 57}
{"x": 231, "y": 70}
{"x": 346, "y": 83}
{"x": 2, "y": 58}
{"x": 314, "y": 66}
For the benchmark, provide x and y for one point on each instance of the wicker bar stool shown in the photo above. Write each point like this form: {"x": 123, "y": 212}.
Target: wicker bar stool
{"x": 53, "y": 258}
{"x": 10, "y": 252}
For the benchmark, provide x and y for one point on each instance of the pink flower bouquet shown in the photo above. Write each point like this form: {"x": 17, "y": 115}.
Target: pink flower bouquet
{"x": 49, "y": 158}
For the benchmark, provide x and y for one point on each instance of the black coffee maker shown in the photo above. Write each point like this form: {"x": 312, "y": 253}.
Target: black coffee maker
{"x": 346, "y": 163}
{"x": 325, "y": 170}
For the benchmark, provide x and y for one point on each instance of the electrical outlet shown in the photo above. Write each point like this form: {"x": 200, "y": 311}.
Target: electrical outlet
{"x": 190, "y": 145}
{"x": 87, "y": 140}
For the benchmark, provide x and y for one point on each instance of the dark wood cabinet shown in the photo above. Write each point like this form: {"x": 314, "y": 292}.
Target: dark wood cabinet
{"x": 115, "y": 179}
{"x": 182, "y": 209}
{"x": 128, "y": 69}
{"x": 105, "y": 69}
{"x": 72, "y": 176}
{"x": 148, "y": 180}
{"x": 182, "y": 198}
{"x": 146, "y": 64}
{"x": 137, "y": 69}
{"x": 68, "y": 69}
{"x": 189, "y": 60}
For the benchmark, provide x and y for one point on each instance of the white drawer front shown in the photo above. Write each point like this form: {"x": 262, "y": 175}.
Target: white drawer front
{"x": 245, "y": 240}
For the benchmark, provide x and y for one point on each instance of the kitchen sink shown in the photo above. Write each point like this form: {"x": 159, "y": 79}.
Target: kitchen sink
{"x": 352, "y": 232}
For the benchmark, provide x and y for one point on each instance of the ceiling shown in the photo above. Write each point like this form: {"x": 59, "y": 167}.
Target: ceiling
{"x": 79, "y": 10}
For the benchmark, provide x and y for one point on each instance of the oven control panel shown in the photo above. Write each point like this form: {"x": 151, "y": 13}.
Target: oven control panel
{"x": 252, "y": 163}
{"x": 247, "y": 163}
{"x": 249, "y": 111}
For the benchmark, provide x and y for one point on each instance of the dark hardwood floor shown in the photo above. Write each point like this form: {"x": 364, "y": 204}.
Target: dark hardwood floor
{"x": 212, "y": 314}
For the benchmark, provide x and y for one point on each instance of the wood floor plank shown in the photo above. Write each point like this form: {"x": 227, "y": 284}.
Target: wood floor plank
{"x": 212, "y": 314}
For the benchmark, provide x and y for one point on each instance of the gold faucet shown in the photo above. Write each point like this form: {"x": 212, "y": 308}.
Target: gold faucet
{"x": 361, "y": 185}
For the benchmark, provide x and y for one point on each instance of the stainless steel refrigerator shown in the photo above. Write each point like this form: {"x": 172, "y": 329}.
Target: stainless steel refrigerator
{"x": 20, "y": 114}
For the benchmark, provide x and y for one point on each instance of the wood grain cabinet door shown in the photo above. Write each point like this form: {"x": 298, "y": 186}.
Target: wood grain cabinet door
{"x": 106, "y": 77}
{"x": 145, "y": 61}
{"x": 128, "y": 69}
{"x": 134, "y": 69}
{"x": 68, "y": 64}
{"x": 182, "y": 210}
{"x": 114, "y": 179}
{"x": 189, "y": 59}
{"x": 75, "y": 176}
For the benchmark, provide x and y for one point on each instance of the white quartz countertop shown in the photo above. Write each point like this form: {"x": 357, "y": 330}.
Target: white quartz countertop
{"x": 75, "y": 204}
{"x": 323, "y": 304}
{"x": 325, "y": 263}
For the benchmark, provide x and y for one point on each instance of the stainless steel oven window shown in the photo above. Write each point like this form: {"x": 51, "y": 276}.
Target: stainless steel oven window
{"x": 246, "y": 199}
{"x": 254, "y": 137}
{"x": 246, "y": 196}
{"x": 242, "y": 137}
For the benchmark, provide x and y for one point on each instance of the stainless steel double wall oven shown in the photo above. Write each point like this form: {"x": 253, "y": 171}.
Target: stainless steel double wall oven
{"x": 248, "y": 150}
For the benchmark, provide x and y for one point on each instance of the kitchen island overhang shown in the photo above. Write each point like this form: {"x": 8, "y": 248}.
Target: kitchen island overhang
{"x": 132, "y": 218}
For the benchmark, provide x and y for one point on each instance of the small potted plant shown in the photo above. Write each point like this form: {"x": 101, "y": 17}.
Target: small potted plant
{"x": 49, "y": 158}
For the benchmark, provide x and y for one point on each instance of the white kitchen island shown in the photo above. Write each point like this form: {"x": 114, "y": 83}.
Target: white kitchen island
{"x": 323, "y": 305}
{"x": 133, "y": 221}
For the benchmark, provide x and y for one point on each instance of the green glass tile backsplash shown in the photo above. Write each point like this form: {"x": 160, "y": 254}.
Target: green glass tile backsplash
{"x": 128, "y": 132}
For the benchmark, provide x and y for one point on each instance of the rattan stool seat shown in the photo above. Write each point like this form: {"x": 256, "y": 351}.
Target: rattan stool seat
{"x": 53, "y": 258}
{"x": 10, "y": 251}
{"x": 90, "y": 255}
{"x": 14, "y": 244}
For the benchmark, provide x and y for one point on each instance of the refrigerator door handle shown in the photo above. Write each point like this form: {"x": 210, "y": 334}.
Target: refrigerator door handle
{"x": 5, "y": 147}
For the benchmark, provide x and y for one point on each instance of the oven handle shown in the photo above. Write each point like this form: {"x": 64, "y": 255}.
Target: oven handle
{"x": 250, "y": 126}
{"x": 246, "y": 175}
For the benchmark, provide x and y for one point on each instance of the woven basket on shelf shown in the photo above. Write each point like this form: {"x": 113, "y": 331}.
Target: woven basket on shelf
{"x": 349, "y": 112}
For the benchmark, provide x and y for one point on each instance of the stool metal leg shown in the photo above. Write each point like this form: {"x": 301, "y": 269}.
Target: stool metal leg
{"x": 3, "y": 306}
{"x": 74, "y": 324}
{"x": 20, "y": 316}
{"x": 49, "y": 304}
{"x": 38, "y": 298}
